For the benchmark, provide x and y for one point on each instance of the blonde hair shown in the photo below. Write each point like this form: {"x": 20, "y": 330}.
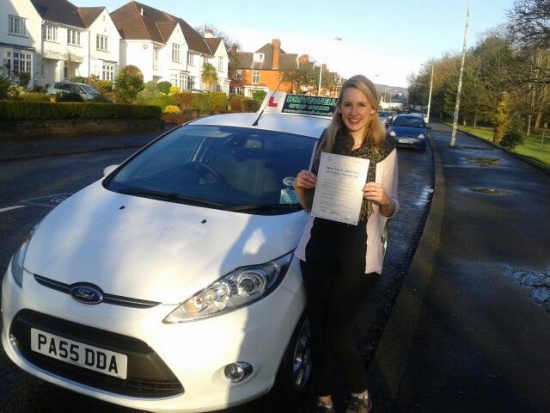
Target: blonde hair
{"x": 375, "y": 131}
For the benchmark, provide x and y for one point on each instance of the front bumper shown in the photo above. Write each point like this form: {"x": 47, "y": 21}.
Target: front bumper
{"x": 172, "y": 367}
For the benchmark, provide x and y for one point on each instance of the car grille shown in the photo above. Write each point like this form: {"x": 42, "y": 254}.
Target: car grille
{"x": 148, "y": 375}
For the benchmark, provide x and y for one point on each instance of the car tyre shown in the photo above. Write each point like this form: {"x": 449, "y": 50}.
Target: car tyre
{"x": 295, "y": 370}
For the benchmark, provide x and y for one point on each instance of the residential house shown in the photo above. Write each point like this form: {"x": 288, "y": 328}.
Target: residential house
{"x": 20, "y": 39}
{"x": 53, "y": 40}
{"x": 165, "y": 47}
{"x": 75, "y": 42}
{"x": 261, "y": 70}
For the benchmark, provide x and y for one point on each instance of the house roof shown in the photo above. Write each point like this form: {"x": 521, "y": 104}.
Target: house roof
{"x": 137, "y": 21}
{"x": 59, "y": 11}
{"x": 90, "y": 14}
{"x": 245, "y": 60}
{"x": 213, "y": 43}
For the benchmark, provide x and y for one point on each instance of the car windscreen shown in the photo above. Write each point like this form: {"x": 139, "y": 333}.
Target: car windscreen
{"x": 241, "y": 169}
{"x": 409, "y": 121}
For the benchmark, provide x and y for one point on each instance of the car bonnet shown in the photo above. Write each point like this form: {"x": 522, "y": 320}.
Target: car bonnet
{"x": 152, "y": 250}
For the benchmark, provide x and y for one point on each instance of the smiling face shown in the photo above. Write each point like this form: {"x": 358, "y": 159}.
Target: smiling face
{"x": 356, "y": 112}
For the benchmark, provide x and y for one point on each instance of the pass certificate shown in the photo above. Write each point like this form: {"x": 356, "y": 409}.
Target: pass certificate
{"x": 339, "y": 190}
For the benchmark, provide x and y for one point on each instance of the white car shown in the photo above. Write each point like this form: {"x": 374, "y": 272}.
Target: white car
{"x": 170, "y": 285}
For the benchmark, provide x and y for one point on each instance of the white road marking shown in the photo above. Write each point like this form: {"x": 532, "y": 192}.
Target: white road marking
{"x": 10, "y": 208}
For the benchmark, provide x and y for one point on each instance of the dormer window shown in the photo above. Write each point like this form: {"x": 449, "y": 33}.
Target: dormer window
{"x": 259, "y": 57}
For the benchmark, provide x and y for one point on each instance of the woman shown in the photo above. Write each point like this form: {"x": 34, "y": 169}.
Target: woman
{"x": 340, "y": 262}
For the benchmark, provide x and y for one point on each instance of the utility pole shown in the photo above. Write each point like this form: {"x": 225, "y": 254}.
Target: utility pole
{"x": 457, "y": 105}
{"x": 430, "y": 95}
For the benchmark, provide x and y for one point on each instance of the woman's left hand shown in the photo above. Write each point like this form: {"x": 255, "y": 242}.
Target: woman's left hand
{"x": 374, "y": 192}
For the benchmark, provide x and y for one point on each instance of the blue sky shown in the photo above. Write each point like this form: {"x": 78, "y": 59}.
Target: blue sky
{"x": 386, "y": 40}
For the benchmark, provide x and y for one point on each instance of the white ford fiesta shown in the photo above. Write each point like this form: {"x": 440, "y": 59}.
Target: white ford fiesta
{"x": 170, "y": 284}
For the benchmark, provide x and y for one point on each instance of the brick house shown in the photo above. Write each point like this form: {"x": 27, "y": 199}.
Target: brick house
{"x": 261, "y": 70}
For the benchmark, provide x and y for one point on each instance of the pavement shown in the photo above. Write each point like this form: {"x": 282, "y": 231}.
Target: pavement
{"x": 470, "y": 330}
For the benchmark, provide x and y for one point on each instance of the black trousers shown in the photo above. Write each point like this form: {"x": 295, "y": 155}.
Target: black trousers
{"x": 335, "y": 294}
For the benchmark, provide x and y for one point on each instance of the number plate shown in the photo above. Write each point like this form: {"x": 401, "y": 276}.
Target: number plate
{"x": 406, "y": 141}
{"x": 83, "y": 355}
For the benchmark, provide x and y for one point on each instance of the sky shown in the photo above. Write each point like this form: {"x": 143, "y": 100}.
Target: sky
{"x": 385, "y": 40}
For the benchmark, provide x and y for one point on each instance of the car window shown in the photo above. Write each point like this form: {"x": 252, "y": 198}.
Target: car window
{"x": 410, "y": 121}
{"x": 89, "y": 89}
{"x": 226, "y": 165}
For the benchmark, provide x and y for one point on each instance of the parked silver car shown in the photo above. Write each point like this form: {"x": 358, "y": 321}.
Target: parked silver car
{"x": 86, "y": 91}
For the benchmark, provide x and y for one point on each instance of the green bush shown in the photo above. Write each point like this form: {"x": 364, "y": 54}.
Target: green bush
{"x": 218, "y": 102}
{"x": 128, "y": 84}
{"x": 149, "y": 93}
{"x": 259, "y": 95}
{"x": 162, "y": 101}
{"x": 164, "y": 87}
{"x": 38, "y": 111}
{"x": 514, "y": 136}
{"x": 202, "y": 102}
{"x": 250, "y": 105}
{"x": 34, "y": 97}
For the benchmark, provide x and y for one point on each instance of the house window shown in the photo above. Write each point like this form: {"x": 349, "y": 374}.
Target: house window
{"x": 50, "y": 33}
{"x": 259, "y": 57}
{"x": 220, "y": 65}
{"x": 174, "y": 79}
{"x": 255, "y": 77}
{"x": 190, "y": 83}
{"x": 239, "y": 74}
{"x": 191, "y": 59}
{"x": 156, "y": 59}
{"x": 175, "y": 52}
{"x": 101, "y": 43}
{"x": 17, "y": 26}
{"x": 108, "y": 71}
{"x": 73, "y": 37}
{"x": 18, "y": 62}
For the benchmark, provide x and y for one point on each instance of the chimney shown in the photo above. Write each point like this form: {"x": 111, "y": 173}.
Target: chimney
{"x": 208, "y": 34}
{"x": 276, "y": 43}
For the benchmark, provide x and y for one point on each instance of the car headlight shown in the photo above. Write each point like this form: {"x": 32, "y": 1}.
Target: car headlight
{"x": 421, "y": 136}
{"x": 18, "y": 260}
{"x": 237, "y": 289}
{"x": 392, "y": 134}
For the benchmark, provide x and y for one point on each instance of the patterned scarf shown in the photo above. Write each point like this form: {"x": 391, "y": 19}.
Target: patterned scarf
{"x": 343, "y": 145}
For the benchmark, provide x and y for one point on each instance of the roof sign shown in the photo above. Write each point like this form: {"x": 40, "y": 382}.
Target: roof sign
{"x": 300, "y": 104}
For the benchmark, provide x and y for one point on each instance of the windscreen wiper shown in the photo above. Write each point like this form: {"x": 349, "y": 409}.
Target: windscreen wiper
{"x": 169, "y": 196}
{"x": 263, "y": 207}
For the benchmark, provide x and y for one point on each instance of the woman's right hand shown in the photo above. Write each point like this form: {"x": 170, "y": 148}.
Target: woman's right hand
{"x": 305, "y": 180}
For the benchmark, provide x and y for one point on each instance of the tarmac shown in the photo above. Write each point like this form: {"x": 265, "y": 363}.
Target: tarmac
{"x": 470, "y": 329}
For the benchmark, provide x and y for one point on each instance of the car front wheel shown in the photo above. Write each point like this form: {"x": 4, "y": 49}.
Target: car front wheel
{"x": 295, "y": 370}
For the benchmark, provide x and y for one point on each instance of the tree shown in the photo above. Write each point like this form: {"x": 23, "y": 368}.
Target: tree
{"x": 501, "y": 119}
{"x": 128, "y": 84}
{"x": 228, "y": 42}
{"x": 529, "y": 23}
{"x": 209, "y": 75}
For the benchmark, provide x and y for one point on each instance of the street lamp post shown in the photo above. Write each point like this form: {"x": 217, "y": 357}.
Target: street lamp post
{"x": 430, "y": 95}
{"x": 457, "y": 105}
{"x": 321, "y": 70}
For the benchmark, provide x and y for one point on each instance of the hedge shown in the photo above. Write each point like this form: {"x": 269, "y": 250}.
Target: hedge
{"x": 31, "y": 111}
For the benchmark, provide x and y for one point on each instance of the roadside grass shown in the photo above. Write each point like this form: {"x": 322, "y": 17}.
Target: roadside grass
{"x": 536, "y": 146}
